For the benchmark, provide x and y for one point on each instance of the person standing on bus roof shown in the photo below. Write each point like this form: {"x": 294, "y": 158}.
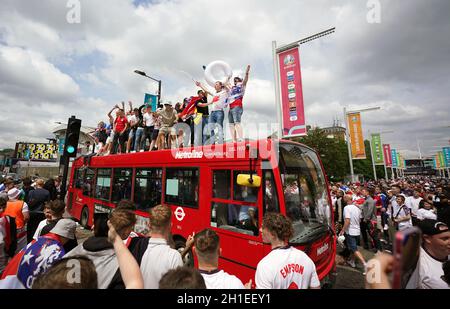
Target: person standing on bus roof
{"x": 159, "y": 258}
{"x": 285, "y": 267}
{"x": 207, "y": 249}
{"x": 235, "y": 100}
{"x": 217, "y": 114}
{"x": 120, "y": 128}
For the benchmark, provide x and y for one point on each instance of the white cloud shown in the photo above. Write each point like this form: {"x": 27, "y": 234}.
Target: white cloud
{"x": 27, "y": 75}
{"x": 360, "y": 65}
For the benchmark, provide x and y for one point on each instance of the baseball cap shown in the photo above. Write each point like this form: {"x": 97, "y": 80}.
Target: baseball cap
{"x": 168, "y": 103}
{"x": 432, "y": 227}
{"x": 13, "y": 193}
{"x": 65, "y": 228}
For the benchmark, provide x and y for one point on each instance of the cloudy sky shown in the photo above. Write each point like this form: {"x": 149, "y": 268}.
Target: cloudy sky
{"x": 51, "y": 69}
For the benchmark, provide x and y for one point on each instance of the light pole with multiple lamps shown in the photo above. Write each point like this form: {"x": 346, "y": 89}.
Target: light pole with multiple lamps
{"x": 142, "y": 73}
{"x": 347, "y": 134}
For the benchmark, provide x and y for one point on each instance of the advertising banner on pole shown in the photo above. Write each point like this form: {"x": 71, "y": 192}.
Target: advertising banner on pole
{"x": 356, "y": 136}
{"x": 387, "y": 154}
{"x": 377, "y": 149}
{"x": 435, "y": 162}
{"x": 446, "y": 151}
{"x": 441, "y": 159}
{"x": 394, "y": 158}
{"x": 292, "y": 107}
{"x": 151, "y": 100}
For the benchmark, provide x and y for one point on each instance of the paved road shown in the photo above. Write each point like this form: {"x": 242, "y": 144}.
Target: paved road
{"x": 348, "y": 277}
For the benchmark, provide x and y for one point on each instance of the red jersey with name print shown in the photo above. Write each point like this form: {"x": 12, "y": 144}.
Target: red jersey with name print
{"x": 286, "y": 268}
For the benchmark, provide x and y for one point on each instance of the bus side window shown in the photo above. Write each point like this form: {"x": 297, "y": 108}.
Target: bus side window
{"x": 103, "y": 184}
{"x": 237, "y": 218}
{"x": 88, "y": 182}
{"x": 147, "y": 188}
{"x": 78, "y": 178}
{"x": 182, "y": 186}
{"x": 122, "y": 184}
{"x": 270, "y": 193}
{"x": 241, "y": 193}
{"x": 221, "y": 184}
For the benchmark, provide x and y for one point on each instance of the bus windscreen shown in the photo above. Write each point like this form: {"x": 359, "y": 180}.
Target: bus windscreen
{"x": 305, "y": 193}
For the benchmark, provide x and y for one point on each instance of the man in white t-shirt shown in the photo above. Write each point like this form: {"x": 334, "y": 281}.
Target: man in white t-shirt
{"x": 149, "y": 126}
{"x": 285, "y": 267}
{"x": 433, "y": 254}
{"x": 159, "y": 258}
{"x": 207, "y": 250}
{"x": 217, "y": 114}
{"x": 352, "y": 231}
{"x": 412, "y": 202}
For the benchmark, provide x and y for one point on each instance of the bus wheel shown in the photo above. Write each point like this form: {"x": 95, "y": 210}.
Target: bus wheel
{"x": 180, "y": 244}
{"x": 84, "y": 219}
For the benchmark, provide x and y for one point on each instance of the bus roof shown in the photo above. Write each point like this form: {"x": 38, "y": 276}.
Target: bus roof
{"x": 218, "y": 153}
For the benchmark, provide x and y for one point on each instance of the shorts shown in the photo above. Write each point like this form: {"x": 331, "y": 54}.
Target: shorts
{"x": 352, "y": 242}
{"x": 167, "y": 130}
{"x": 235, "y": 114}
{"x": 131, "y": 133}
{"x": 155, "y": 134}
{"x": 109, "y": 140}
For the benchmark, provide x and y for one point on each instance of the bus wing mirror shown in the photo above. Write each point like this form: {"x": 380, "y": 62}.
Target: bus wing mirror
{"x": 245, "y": 180}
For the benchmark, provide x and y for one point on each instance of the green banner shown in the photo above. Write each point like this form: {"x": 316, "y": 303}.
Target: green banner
{"x": 377, "y": 149}
{"x": 441, "y": 159}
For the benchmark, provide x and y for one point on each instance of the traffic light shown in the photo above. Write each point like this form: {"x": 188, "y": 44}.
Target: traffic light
{"x": 72, "y": 137}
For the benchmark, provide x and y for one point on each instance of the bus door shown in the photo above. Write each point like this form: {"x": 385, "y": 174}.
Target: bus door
{"x": 235, "y": 214}
{"x": 182, "y": 191}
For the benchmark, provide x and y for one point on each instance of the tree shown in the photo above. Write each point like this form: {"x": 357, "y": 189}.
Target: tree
{"x": 334, "y": 155}
{"x": 332, "y": 152}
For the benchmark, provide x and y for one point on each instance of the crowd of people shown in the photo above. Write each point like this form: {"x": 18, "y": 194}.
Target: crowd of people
{"x": 39, "y": 247}
{"x": 374, "y": 211}
{"x": 188, "y": 123}
{"x": 115, "y": 257}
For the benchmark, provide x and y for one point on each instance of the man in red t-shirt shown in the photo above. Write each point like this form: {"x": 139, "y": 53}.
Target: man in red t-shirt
{"x": 120, "y": 129}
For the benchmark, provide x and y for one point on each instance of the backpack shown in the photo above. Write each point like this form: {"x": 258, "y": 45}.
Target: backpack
{"x": 137, "y": 247}
{"x": 11, "y": 236}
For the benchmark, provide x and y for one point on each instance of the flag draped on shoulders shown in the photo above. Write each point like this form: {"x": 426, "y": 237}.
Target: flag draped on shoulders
{"x": 33, "y": 260}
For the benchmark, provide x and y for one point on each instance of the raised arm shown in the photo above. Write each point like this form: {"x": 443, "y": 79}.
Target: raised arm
{"x": 198, "y": 84}
{"x": 111, "y": 119}
{"x": 129, "y": 268}
{"x": 130, "y": 105}
{"x": 246, "y": 76}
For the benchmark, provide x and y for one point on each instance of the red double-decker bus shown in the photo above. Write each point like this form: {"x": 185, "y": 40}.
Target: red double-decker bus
{"x": 227, "y": 188}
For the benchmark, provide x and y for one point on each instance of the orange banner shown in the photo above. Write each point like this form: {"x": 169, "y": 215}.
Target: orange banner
{"x": 356, "y": 136}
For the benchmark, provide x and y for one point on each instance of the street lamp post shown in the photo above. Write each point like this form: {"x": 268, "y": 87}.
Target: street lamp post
{"x": 142, "y": 73}
{"x": 347, "y": 134}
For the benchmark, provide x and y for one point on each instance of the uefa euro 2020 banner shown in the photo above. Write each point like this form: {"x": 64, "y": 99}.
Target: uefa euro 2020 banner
{"x": 394, "y": 158}
{"x": 377, "y": 149}
{"x": 356, "y": 136}
{"x": 446, "y": 152}
{"x": 387, "y": 154}
{"x": 292, "y": 107}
